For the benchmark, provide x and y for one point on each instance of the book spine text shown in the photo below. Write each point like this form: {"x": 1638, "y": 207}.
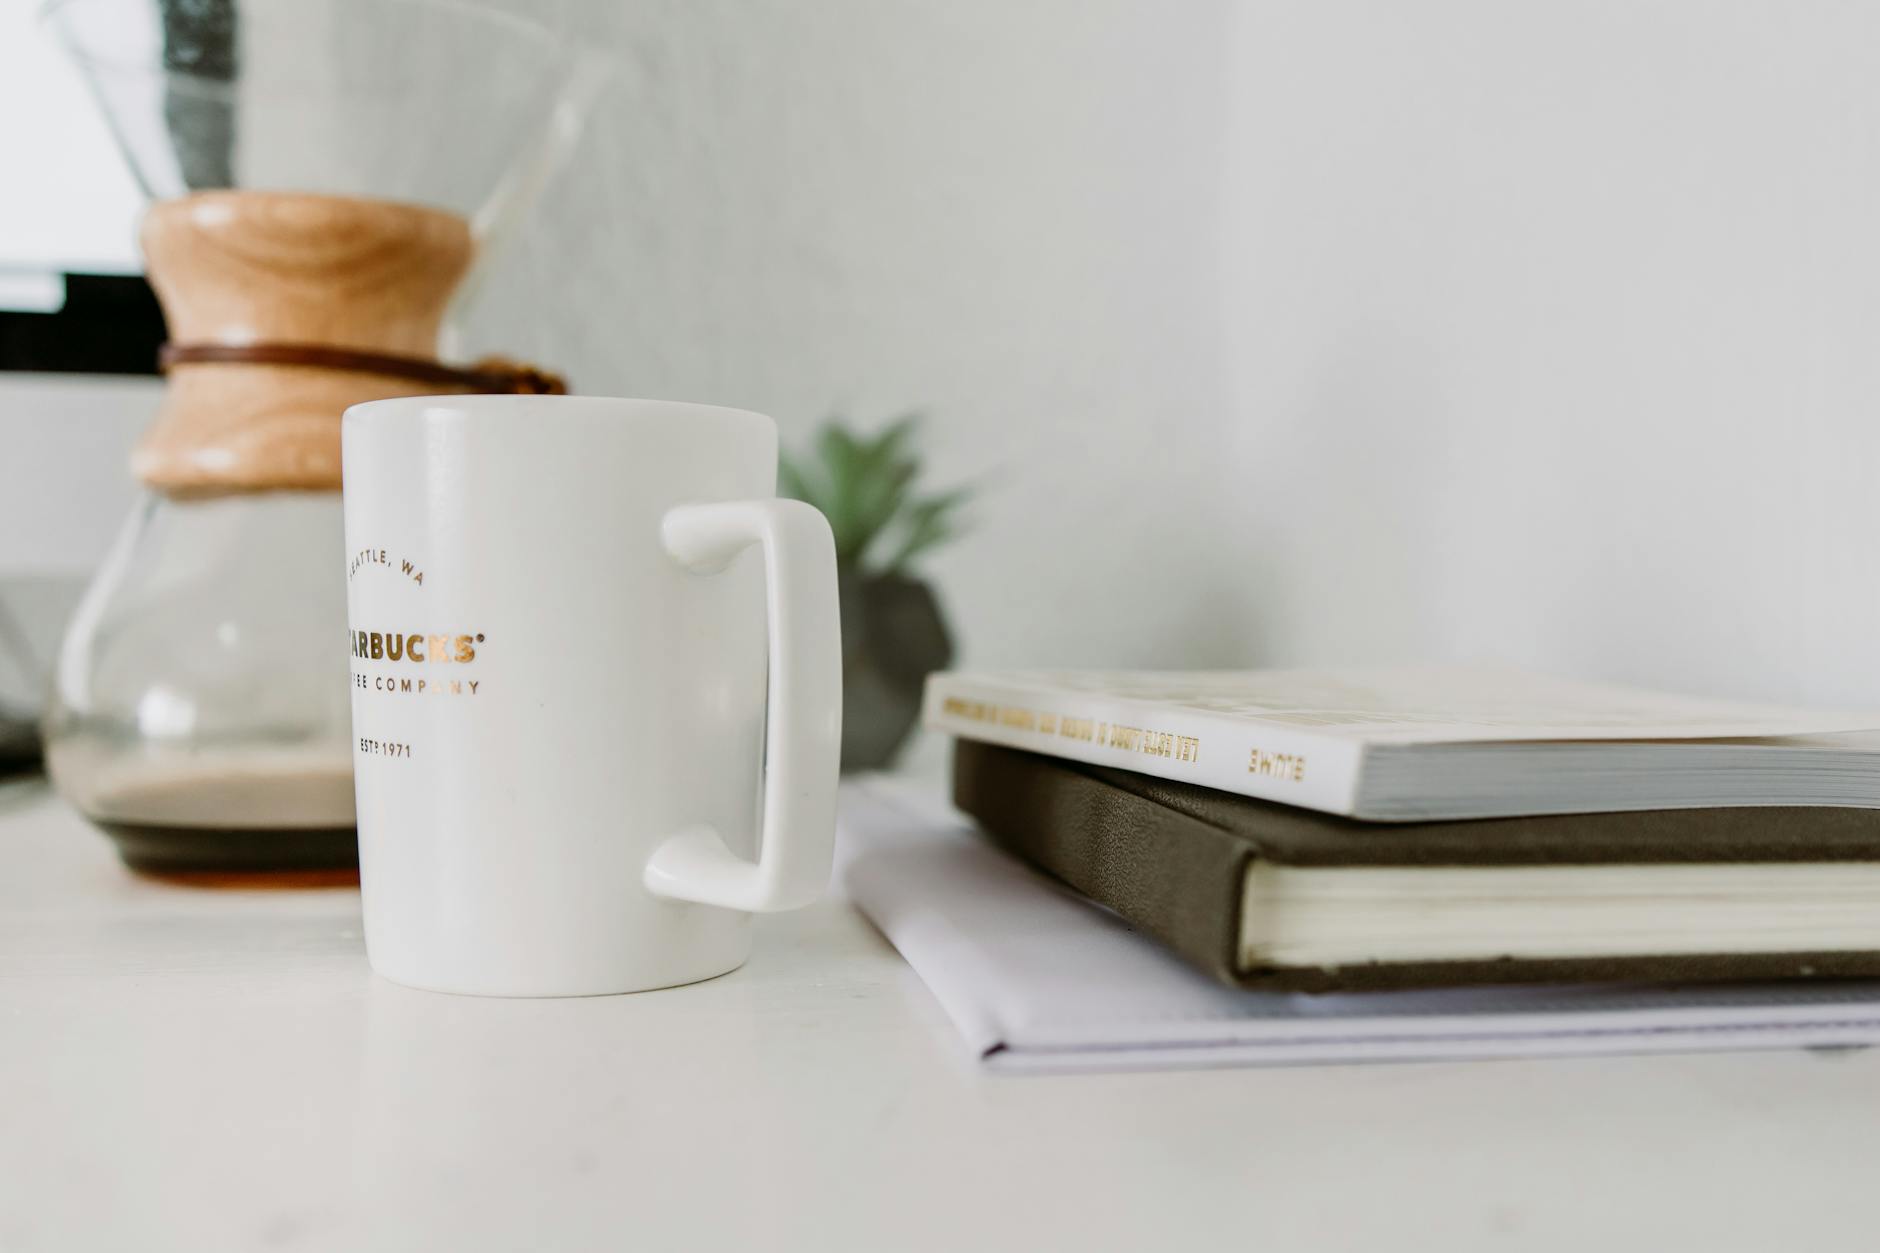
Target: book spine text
{"x": 1187, "y": 745}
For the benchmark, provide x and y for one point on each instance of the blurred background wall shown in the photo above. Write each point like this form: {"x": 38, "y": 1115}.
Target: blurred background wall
{"x": 1278, "y": 332}
{"x": 1004, "y": 214}
{"x": 1552, "y": 330}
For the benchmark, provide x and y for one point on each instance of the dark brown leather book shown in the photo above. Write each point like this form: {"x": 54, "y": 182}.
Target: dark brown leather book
{"x": 1273, "y": 896}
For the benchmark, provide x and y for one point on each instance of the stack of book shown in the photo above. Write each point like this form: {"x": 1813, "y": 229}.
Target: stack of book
{"x": 1316, "y": 831}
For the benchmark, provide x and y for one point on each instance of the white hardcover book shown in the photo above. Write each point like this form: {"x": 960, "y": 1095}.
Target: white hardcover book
{"x": 1399, "y": 745}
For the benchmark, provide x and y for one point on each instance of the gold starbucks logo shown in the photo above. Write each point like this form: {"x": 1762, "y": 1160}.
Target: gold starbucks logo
{"x": 417, "y": 646}
{"x": 422, "y": 649}
{"x": 413, "y": 661}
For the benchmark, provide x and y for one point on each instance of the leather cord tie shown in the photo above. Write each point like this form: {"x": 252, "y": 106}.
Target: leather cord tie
{"x": 498, "y": 375}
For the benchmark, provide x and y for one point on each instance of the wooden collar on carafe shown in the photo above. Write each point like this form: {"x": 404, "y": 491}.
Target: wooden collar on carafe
{"x": 265, "y": 416}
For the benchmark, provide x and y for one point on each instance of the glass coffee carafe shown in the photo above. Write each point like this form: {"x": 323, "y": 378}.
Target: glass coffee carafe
{"x": 326, "y": 178}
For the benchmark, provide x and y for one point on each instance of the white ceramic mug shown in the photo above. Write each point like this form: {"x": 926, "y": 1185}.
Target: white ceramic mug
{"x": 583, "y": 632}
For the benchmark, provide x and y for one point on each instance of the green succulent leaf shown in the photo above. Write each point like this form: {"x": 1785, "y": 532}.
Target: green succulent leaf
{"x": 791, "y": 481}
{"x": 864, "y": 485}
{"x": 927, "y": 524}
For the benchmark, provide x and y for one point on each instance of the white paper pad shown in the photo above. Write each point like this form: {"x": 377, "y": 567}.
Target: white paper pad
{"x": 1037, "y": 979}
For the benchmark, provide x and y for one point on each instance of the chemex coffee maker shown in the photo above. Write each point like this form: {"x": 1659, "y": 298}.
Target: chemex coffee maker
{"x": 327, "y": 178}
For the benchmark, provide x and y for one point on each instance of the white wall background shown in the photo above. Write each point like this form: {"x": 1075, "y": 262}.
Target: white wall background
{"x": 1554, "y": 330}
{"x": 1005, "y": 214}
{"x": 1286, "y": 332}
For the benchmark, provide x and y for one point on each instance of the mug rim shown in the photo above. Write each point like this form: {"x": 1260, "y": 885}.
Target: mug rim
{"x": 432, "y": 408}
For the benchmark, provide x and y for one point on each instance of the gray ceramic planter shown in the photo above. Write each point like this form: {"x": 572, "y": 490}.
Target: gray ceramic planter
{"x": 893, "y": 636}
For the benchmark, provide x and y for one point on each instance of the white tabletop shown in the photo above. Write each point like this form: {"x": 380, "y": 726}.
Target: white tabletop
{"x": 195, "y": 1069}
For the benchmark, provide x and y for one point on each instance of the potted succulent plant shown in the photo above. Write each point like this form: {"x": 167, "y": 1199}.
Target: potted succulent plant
{"x": 893, "y": 633}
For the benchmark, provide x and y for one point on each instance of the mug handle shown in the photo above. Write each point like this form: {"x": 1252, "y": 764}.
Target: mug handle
{"x": 803, "y": 726}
